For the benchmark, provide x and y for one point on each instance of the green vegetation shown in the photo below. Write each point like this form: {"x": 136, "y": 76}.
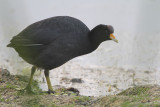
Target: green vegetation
{"x": 81, "y": 98}
{"x": 138, "y": 90}
{"x": 112, "y": 100}
{"x": 139, "y": 96}
{"x": 1, "y": 99}
{"x": 12, "y": 94}
{"x": 70, "y": 105}
{"x": 126, "y": 104}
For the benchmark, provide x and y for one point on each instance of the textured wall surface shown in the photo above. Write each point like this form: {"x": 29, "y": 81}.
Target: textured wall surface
{"x": 134, "y": 60}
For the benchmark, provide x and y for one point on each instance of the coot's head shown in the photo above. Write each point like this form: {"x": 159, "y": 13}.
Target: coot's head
{"x": 102, "y": 33}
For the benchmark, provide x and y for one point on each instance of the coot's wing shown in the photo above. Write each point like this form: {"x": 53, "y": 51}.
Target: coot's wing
{"x": 33, "y": 37}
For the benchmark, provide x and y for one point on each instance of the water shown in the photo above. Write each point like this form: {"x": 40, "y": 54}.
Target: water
{"x": 99, "y": 80}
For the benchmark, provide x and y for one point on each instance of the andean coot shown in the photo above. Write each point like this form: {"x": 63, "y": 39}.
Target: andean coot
{"x": 49, "y": 43}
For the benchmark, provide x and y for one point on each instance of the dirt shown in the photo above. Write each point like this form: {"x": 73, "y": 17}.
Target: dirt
{"x": 12, "y": 95}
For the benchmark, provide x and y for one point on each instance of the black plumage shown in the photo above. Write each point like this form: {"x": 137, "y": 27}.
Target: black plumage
{"x": 52, "y": 42}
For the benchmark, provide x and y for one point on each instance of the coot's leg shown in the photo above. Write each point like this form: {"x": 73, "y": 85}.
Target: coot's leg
{"x": 28, "y": 88}
{"x": 50, "y": 89}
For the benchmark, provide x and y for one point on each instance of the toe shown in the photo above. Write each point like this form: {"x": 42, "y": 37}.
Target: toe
{"x": 51, "y": 91}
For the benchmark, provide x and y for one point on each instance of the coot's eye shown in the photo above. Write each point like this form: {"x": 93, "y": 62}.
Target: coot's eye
{"x": 110, "y": 29}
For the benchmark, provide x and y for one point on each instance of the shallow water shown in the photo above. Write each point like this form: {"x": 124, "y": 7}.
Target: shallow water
{"x": 99, "y": 81}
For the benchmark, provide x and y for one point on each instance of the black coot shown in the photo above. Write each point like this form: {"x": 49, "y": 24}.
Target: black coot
{"x": 52, "y": 42}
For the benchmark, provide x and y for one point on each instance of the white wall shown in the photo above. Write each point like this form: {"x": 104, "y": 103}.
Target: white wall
{"x": 136, "y": 24}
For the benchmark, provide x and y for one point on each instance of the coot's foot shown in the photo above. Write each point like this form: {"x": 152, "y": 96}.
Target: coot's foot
{"x": 27, "y": 90}
{"x": 49, "y": 92}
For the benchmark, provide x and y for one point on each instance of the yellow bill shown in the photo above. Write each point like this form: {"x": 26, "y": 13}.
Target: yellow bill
{"x": 112, "y": 37}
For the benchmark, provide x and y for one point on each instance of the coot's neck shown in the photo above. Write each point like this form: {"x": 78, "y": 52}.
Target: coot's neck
{"x": 96, "y": 38}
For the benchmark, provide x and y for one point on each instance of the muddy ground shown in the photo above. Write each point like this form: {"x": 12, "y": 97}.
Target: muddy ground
{"x": 13, "y": 95}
